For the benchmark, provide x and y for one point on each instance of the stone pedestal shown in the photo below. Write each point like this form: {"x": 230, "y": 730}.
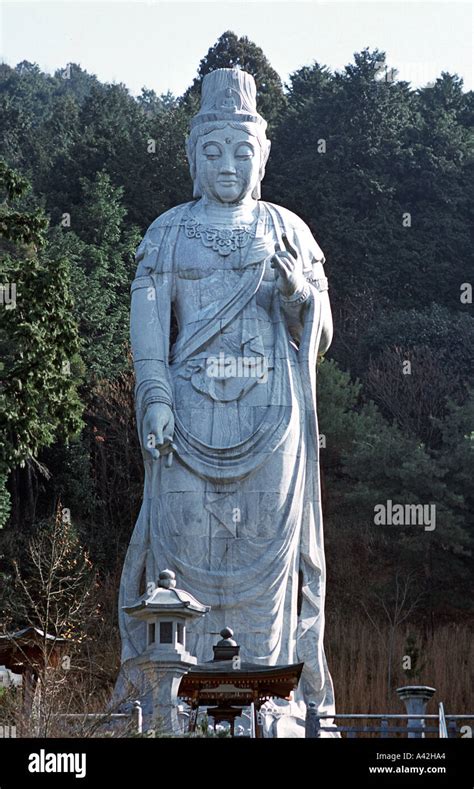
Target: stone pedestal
{"x": 415, "y": 698}
{"x": 163, "y": 678}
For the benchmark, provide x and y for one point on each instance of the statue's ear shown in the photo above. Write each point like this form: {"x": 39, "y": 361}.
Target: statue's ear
{"x": 266, "y": 153}
{"x": 197, "y": 191}
{"x": 192, "y": 170}
{"x": 191, "y": 154}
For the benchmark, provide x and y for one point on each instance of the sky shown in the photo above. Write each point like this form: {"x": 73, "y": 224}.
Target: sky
{"x": 158, "y": 45}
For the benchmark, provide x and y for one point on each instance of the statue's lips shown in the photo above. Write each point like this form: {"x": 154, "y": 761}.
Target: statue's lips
{"x": 227, "y": 183}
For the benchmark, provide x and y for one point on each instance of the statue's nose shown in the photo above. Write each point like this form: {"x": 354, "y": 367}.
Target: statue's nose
{"x": 228, "y": 166}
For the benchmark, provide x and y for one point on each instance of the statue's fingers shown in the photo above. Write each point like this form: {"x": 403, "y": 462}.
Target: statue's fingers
{"x": 285, "y": 267}
{"x": 279, "y": 263}
{"x": 169, "y": 427}
{"x": 289, "y": 248}
{"x": 167, "y": 450}
{"x": 288, "y": 260}
{"x": 150, "y": 444}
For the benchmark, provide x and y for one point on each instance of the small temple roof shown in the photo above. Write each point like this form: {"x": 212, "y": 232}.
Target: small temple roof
{"x": 225, "y": 679}
{"x": 30, "y": 632}
{"x": 214, "y": 668}
{"x": 24, "y": 648}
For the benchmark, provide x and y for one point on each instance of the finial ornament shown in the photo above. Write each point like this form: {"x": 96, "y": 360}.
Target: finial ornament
{"x": 167, "y": 579}
{"x": 227, "y": 640}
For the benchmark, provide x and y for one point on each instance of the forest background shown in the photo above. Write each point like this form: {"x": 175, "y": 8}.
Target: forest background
{"x": 384, "y": 176}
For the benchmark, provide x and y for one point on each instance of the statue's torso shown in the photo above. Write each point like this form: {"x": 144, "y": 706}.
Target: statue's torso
{"x": 210, "y": 259}
{"x": 206, "y": 271}
{"x": 205, "y": 278}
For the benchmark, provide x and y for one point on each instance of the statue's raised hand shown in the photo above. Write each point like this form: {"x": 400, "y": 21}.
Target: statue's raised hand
{"x": 158, "y": 428}
{"x": 288, "y": 268}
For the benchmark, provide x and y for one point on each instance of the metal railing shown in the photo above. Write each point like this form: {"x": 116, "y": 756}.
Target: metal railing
{"x": 136, "y": 716}
{"x": 446, "y": 724}
{"x": 7, "y": 730}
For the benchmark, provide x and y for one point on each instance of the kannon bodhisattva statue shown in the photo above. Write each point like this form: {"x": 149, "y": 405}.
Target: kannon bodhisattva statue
{"x": 227, "y": 413}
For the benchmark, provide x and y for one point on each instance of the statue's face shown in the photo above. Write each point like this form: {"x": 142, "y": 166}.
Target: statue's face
{"x": 227, "y": 164}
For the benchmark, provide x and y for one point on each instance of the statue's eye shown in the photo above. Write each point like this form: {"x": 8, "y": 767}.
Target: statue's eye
{"x": 244, "y": 152}
{"x": 212, "y": 152}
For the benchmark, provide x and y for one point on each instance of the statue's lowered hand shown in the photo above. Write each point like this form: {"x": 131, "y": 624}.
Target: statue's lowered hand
{"x": 158, "y": 428}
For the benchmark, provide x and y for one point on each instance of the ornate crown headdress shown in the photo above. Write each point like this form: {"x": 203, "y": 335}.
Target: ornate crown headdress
{"x": 228, "y": 94}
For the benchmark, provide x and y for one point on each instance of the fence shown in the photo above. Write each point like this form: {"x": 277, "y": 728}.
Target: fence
{"x": 135, "y": 716}
{"x": 446, "y": 725}
{"x": 7, "y": 730}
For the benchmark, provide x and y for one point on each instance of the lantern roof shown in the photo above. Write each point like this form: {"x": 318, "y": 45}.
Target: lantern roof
{"x": 166, "y": 599}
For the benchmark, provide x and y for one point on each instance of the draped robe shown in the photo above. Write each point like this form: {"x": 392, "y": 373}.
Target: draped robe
{"x": 237, "y": 515}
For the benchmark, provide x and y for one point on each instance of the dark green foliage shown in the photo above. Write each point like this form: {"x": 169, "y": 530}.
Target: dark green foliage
{"x": 355, "y": 155}
{"x": 368, "y": 461}
{"x": 101, "y": 252}
{"x": 39, "y": 344}
{"x": 382, "y": 173}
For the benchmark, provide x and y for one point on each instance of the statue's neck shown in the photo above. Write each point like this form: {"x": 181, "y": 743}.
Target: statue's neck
{"x": 227, "y": 213}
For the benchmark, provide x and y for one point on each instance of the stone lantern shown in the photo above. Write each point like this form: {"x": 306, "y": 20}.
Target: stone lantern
{"x": 416, "y": 698}
{"x": 166, "y": 614}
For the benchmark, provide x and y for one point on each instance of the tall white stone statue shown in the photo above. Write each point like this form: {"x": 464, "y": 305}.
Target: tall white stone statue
{"x": 227, "y": 413}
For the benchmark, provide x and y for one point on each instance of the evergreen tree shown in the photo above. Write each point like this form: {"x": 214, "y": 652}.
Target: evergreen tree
{"x": 101, "y": 252}
{"x": 38, "y": 337}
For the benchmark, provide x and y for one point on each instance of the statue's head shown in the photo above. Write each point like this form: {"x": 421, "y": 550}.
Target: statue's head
{"x": 227, "y": 147}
